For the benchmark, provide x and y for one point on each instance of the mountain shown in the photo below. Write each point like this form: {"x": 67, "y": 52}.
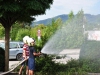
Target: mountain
{"x": 49, "y": 20}
{"x": 90, "y": 18}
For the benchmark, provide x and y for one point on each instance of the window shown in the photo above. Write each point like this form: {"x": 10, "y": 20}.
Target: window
{"x": 13, "y": 45}
{"x": 21, "y": 45}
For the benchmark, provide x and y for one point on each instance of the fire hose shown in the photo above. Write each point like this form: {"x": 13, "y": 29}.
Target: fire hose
{"x": 42, "y": 55}
{"x": 13, "y": 68}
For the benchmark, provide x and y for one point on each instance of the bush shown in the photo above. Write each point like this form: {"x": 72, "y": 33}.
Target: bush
{"x": 90, "y": 56}
{"x": 2, "y": 59}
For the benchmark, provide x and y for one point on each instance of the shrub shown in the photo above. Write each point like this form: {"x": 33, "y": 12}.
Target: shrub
{"x": 90, "y": 56}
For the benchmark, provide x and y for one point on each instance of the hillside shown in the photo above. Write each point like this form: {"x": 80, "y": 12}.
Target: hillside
{"x": 49, "y": 20}
{"x": 90, "y": 18}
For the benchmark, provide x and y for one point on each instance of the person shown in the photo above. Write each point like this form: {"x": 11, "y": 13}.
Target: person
{"x": 25, "y": 55}
{"x": 31, "y": 60}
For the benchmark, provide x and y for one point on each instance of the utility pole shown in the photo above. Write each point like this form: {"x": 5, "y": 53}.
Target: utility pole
{"x": 84, "y": 19}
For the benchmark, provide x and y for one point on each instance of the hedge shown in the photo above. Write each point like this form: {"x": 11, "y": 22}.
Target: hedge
{"x": 90, "y": 56}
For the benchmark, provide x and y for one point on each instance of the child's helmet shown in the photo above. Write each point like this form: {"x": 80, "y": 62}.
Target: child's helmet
{"x": 25, "y": 39}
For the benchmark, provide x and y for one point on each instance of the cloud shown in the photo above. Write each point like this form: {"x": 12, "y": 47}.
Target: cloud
{"x": 65, "y": 6}
{"x": 74, "y": 3}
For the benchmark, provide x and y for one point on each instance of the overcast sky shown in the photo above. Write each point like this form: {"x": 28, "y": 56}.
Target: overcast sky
{"x": 60, "y": 7}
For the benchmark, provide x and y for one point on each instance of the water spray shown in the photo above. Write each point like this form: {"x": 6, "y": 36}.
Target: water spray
{"x": 43, "y": 55}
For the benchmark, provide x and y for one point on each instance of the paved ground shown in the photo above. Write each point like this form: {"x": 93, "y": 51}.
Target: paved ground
{"x": 13, "y": 63}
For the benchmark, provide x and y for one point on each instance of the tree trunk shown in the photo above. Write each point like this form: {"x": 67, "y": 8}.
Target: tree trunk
{"x": 7, "y": 32}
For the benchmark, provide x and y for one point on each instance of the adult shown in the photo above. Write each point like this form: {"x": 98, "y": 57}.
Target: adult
{"x": 31, "y": 60}
{"x": 25, "y": 55}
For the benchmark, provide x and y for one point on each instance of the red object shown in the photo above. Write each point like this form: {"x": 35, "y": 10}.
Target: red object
{"x": 26, "y": 48}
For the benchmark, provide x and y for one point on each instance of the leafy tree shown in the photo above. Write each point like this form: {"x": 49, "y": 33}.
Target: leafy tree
{"x": 19, "y": 10}
{"x": 1, "y": 31}
{"x": 15, "y": 28}
{"x": 75, "y": 31}
{"x": 71, "y": 32}
{"x": 71, "y": 15}
{"x": 21, "y": 33}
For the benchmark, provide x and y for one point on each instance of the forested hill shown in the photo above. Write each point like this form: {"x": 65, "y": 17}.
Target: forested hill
{"x": 49, "y": 20}
{"x": 64, "y": 17}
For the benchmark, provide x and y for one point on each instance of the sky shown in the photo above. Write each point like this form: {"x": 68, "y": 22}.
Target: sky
{"x": 60, "y": 7}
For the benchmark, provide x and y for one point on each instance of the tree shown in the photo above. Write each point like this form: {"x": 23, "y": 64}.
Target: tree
{"x": 75, "y": 31}
{"x": 71, "y": 15}
{"x": 22, "y": 11}
{"x": 1, "y": 31}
